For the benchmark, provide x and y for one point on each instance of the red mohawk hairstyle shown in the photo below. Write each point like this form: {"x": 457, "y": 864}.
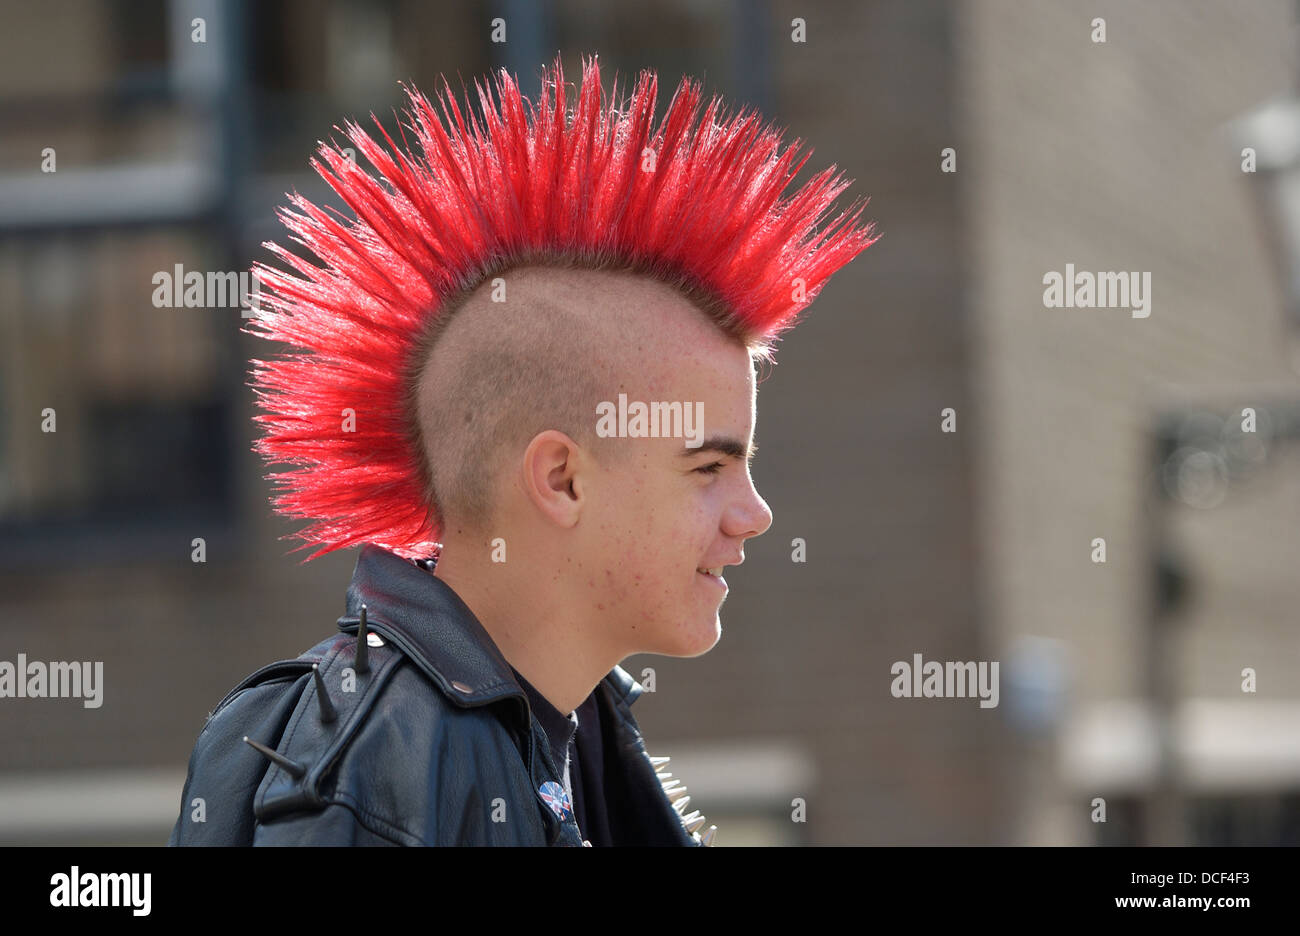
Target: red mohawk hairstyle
{"x": 693, "y": 202}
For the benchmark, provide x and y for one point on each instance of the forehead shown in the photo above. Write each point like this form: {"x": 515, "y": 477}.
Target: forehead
{"x": 720, "y": 373}
{"x": 670, "y": 351}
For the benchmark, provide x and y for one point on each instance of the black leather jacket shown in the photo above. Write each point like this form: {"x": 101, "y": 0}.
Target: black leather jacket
{"x": 429, "y": 741}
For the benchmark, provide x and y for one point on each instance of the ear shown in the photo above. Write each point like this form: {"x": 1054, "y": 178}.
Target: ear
{"x": 554, "y": 475}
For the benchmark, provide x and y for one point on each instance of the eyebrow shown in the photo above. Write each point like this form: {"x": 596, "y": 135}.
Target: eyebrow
{"x": 723, "y": 445}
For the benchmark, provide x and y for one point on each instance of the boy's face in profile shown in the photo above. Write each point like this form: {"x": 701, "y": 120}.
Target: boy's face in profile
{"x": 663, "y": 509}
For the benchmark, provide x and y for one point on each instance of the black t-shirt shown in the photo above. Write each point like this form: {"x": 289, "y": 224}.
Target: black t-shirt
{"x": 576, "y": 742}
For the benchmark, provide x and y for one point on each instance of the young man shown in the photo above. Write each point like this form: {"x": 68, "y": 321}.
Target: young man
{"x": 528, "y": 391}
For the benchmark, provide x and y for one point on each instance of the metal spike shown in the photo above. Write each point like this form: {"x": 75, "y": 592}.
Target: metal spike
{"x": 327, "y": 712}
{"x": 659, "y": 761}
{"x": 680, "y": 805}
{"x": 362, "y": 661}
{"x": 676, "y": 794}
{"x": 291, "y": 766}
{"x": 693, "y": 824}
{"x": 710, "y": 837}
{"x": 663, "y": 775}
{"x": 669, "y": 784}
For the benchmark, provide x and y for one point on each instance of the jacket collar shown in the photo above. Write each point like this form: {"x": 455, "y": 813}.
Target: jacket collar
{"x": 406, "y": 604}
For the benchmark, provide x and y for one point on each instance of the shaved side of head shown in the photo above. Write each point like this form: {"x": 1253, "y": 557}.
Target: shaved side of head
{"x": 490, "y": 375}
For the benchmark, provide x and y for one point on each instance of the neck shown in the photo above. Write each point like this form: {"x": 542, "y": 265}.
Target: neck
{"x": 533, "y": 622}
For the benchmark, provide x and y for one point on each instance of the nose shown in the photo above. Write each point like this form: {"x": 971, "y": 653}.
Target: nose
{"x": 750, "y": 516}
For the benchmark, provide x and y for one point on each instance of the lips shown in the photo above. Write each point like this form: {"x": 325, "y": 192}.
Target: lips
{"x": 713, "y": 577}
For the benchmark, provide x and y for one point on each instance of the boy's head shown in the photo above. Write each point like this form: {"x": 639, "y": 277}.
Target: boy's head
{"x": 511, "y": 392}
{"x": 533, "y": 263}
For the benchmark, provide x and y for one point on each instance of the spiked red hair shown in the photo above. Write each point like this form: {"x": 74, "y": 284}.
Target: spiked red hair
{"x": 691, "y": 204}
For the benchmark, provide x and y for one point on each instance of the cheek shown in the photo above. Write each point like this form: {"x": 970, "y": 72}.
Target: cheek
{"x": 683, "y": 533}
{"x": 651, "y": 535}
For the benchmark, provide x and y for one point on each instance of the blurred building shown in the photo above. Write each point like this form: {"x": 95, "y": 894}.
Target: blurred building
{"x": 1119, "y": 680}
{"x": 1092, "y": 423}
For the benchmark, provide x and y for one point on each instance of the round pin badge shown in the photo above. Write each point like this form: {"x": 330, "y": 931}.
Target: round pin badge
{"x": 554, "y": 796}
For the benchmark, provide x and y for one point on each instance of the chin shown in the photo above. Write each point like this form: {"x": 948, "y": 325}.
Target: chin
{"x": 698, "y": 639}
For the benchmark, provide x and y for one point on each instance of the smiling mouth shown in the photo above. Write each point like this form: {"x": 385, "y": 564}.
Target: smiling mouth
{"x": 713, "y": 575}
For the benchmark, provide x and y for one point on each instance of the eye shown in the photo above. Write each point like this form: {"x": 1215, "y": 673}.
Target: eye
{"x": 711, "y": 469}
